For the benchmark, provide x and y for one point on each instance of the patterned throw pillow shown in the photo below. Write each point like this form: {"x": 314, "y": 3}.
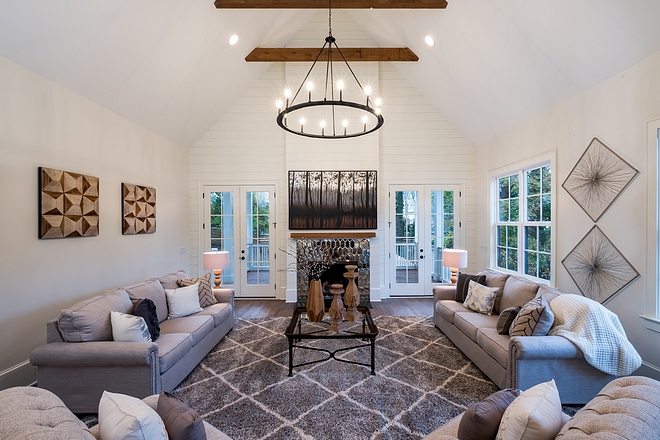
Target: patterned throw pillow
{"x": 206, "y": 297}
{"x": 480, "y": 298}
{"x": 463, "y": 282}
{"x": 534, "y": 319}
{"x": 506, "y": 318}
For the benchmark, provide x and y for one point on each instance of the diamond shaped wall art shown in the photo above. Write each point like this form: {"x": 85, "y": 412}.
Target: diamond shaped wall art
{"x": 139, "y": 209}
{"x": 598, "y": 178}
{"x": 68, "y": 204}
{"x": 597, "y": 267}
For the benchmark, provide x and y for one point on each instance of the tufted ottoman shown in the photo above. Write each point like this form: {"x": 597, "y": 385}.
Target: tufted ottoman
{"x": 35, "y": 413}
{"x": 628, "y": 407}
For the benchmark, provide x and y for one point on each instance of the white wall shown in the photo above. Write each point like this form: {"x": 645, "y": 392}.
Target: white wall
{"x": 417, "y": 145}
{"x": 616, "y": 112}
{"x": 43, "y": 124}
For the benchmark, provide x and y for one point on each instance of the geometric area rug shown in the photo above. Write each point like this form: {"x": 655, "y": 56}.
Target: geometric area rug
{"x": 422, "y": 381}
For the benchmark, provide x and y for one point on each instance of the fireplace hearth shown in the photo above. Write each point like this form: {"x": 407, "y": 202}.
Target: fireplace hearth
{"x": 333, "y": 254}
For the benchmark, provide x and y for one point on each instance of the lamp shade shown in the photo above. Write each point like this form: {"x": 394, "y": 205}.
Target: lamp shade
{"x": 216, "y": 260}
{"x": 454, "y": 258}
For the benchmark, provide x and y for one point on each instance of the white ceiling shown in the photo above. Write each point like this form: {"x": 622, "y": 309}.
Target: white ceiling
{"x": 166, "y": 64}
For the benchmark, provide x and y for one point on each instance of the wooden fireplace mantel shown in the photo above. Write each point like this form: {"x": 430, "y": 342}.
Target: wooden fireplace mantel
{"x": 333, "y": 234}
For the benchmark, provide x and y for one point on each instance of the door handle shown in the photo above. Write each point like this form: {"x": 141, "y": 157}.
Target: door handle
{"x": 242, "y": 258}
{"x": 421, "y": 257}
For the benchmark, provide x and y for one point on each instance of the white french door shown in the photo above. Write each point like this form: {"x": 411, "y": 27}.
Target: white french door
{"x": 424, "y": 219}
{"x": 239, "y": 219}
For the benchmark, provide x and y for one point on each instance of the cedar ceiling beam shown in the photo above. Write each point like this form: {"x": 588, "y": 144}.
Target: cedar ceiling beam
{"x": 336, "y": 4}
{"x": 290, "y": 54}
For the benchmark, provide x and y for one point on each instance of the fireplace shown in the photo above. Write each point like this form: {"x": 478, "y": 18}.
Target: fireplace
{"x": 327, "y": 258}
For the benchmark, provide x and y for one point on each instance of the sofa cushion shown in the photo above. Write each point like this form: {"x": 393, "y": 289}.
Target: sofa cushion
{"x": 495, "y": 279}
{"x": 171, "y": 348}
{"x": 495, "y": 344}
{"x": 482, "y": 420}
{"x": 534, "y": 319}
{"x": 549, "y": 293}
{"x": 41, "y": 415}
{"x": 89, "y": 320}
{"x": 220, "y": 312}
{"x": 153, "y": 290}
{"x": 197, "y": 326}
{"x": 447, "y": 308}
{"x": 463, "y": 285}
{"x": 127, "y": 417}
{"x": 506, "y": 318}
{"x": 205, "y": 292}
{"x": 170, "y": 281}
{"x": 470, "y": 322}
{"x": 517, "y": 292}
{"x": 480, "y": 298}
{"x": 534, "y": 415}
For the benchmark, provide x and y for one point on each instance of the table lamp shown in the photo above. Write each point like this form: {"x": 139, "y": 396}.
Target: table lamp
{"x": 454, "y": 259}
{"x": 216, "y": 261}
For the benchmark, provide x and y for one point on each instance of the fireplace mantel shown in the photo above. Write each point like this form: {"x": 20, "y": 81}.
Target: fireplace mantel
{"x": 333, "y": 234}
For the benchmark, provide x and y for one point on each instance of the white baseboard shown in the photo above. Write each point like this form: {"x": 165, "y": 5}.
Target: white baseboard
{"x": 23, "y": 374}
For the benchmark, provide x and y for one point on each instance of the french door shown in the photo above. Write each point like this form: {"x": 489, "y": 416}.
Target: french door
{"x": 239, "y": 219}
{"x": 424, "y": 219}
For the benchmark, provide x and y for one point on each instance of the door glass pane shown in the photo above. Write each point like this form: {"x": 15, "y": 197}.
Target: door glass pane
{"x": 257, "y": 258}
{"x": 442, "y": 232}
{"x": 222, "y": 229}
{"x": 406, "y": 236}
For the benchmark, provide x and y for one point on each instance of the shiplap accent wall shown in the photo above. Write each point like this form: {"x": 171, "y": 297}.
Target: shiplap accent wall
{"x": 417, "y": 145}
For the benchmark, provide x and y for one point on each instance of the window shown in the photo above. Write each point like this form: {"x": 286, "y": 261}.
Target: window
{"x": 523, "y": 226}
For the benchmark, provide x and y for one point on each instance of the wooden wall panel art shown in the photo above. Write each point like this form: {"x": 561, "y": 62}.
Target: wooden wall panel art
{"x": 68, "y": 204}
{"x": 139, "y": 209}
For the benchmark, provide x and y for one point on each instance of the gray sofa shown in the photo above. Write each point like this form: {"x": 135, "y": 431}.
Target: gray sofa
{"x": 626, "y": 408}
{"x": 35, "y": 413}
{"x": 80, "y": 360}
{"x": 520, "y": 361}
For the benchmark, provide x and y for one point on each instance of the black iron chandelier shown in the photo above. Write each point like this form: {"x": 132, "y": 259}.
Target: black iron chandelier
{"x": 330, "y": 118}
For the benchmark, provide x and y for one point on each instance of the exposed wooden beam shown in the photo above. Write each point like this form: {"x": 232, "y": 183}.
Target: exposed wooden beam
{"x": 336, "y": 4}
{"x": 275, "y": 54}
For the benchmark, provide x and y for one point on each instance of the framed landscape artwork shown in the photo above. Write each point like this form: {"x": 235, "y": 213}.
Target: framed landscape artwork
{"x": 332, "y": 200}
{"x": 68, "y": 204}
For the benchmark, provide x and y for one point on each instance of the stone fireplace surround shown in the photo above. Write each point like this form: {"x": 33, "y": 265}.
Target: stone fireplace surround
{"x": 333, "y": 251}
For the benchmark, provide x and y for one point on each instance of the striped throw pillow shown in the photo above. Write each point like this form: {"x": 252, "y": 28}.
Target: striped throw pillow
{"x": 534, "y": 319}
{"x": 206, "y": 297}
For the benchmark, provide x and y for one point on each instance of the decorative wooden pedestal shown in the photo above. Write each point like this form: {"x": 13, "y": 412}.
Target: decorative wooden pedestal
{"x": 352, "y": 295}
{"x": 337, "y": 310}
{"x": 315, "y": 306}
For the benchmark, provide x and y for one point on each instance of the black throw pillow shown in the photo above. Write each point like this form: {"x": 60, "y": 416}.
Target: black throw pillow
{"x": 181, "y": 421}
{"x": 482, "y": 420}
{"x": 146, "y": 308}
{"x": 463, "y": 282}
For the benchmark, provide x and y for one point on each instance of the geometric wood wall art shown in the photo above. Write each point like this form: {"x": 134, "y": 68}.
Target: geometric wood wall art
{"x": 68, "y": 204}
{"x": 598, "y": 178}
{"x": 139, "y": 209}
{"x": 597, "y": 267}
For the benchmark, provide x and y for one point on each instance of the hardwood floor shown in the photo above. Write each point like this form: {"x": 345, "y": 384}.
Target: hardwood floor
{"x": 390, "y": 307}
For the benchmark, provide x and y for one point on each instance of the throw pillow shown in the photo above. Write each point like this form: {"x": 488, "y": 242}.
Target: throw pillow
{"x": 181, "y": 421}
{"x": 146, "y": 308}
{"x": 463, "y": 282}
{"x": 206, "y": 297}
{"x": 534, "y": 319}
{"x": 505, "y": 319}
{"x": 126, "y": 417}
{"x": 481, "y": 420}
{"x": 534, "y": 415}
{"x": 129, "y": 328}
{"x": 480, "y": 298}
{"x": 183, "y": 301}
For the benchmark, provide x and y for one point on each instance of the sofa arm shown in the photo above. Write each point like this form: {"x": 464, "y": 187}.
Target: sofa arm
{"x": 542, "y": 347}
{"x": 94, "y": 354}
{"x": 224, "y": 295}
{"x": 444, "y": 292}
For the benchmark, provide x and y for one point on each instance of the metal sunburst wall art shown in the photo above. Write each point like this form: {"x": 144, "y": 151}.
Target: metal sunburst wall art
{"x": 597, "y": 267}
{"x": 598, "y": 178}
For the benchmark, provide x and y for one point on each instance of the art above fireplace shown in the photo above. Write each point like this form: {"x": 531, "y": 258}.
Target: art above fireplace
{"x": 332, "y": 200}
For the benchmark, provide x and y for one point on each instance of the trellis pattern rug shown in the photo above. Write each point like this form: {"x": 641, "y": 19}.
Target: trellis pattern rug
{"x": 422, "y": 381}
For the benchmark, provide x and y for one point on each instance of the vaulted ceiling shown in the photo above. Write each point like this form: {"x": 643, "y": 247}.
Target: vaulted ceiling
{"x": 167, "y": 66}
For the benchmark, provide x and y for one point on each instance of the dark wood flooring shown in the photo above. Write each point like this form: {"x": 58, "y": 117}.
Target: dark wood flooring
{"x": 249, "y": 308}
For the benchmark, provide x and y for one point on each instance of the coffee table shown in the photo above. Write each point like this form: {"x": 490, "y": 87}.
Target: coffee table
{"x": 300, "y": 329}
